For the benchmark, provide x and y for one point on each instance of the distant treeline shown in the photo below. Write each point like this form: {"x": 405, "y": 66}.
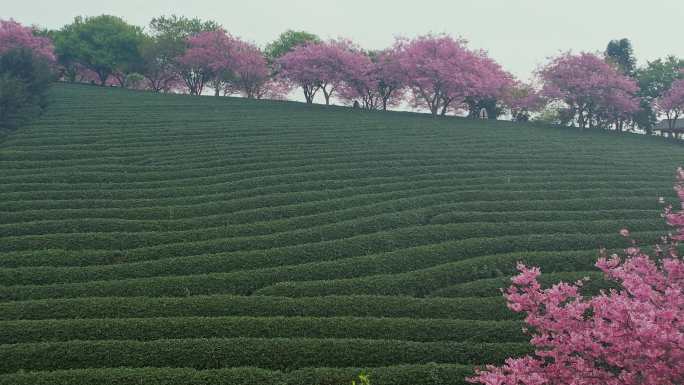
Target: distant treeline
{"x": 431, "y": 72}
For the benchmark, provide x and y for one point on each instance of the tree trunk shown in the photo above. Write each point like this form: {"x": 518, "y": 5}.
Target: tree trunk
{"x": 444, "y": 110}
{"x": 307, "y": 95}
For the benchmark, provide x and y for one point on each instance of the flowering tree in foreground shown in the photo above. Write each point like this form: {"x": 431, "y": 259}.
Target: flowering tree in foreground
{"x": 621, "y": 337}
{"x": 595, "y": 92}
{"x": 14, "y": 36}
{"x": 672, "y": 103}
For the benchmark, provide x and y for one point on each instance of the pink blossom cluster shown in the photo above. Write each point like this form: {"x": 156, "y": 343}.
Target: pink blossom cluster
{"x": 319, "y": 66}
{"x": 376, "y": 79}
{"x": 630, "y": 336}
{"x": 523, "y": 98}
{"x": 596, "y": 92}
{"x": 442, "y": 72}
{"x": 13, "y": 35}
{"x": 231, "y": 64}
{"x": 671, "y": 104}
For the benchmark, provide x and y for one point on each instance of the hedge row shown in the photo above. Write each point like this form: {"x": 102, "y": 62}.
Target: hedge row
{"x": 428, "y": 374}
{"x": 247, "y": 282}
{"x": 242, "y": 215}
{"x": 342, "y": 228}
{"x": 247, "y": 157}
{"x": 240, "y": 189}
{"x": 424, "y": 281}
{"x": 400, "y": 199}
{"x": 232, "y": 164}
{"x": 272, "y": 353}
{"x": 279, "y": 193}
{"x": 383, "y": 241}
{"x": 156, "y": 189}
{"x": 390, "y": 167}
{"x": 492, "y": 287}
{"x": 360, "y": 244}
{"x": 131, "y": 240}
{"x": 258, "y": 306}
{"x": 475, "y": 259}
{"x": 143, "y": 329}
{"x": 101, "y": 225}
{"x": 224, "y": 203}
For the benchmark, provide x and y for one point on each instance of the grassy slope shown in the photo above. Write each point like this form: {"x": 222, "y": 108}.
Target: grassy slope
{"x": 141, "y": 230}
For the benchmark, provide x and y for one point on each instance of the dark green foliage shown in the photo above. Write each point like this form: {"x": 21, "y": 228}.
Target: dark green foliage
{"x": 286, "y": 42}
{"x": 621, "y": 53}
{"x": 24, "y": 82}
{"x": 654, "y": 79}
{"x": 105, "y": 44}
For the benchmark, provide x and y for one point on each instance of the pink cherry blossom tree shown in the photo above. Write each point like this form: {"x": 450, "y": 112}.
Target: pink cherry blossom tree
{"x": 595, "y": 92}
{"x": 208, "y": 58}
{"x": 671, "y": 104}
{"x": 14, "y": 35}
{"x": 391, "y": 79}
{"x": 631, "y": 336}
{"x": 438, "y": 70}
{"x": 443, "y": 74}
{"x": 489, "y": 87}
{"x": 317, "y": 66}
{"x": 250, "y": 74}
{"x": 376, "y": 79}
{"x": 522, "y": 99}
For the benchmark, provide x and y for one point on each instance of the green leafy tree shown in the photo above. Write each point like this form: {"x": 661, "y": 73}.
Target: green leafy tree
{"x": 166, "y": 44}
{"x": 24, "y": 82}
{"x": 171, "y": 32}
{"x": 287, "y": 41}
{"x": 621, "y": 53}
{"x": 105, "y": 44}
{"x": 654, "y": 79}
{"x": 158, "y": 64}
{"x": 657, "y": 76}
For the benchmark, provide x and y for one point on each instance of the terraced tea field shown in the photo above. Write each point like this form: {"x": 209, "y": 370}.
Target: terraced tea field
{"x": 166, "y": 239}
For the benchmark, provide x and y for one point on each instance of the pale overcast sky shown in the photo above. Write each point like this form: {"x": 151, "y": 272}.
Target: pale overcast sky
{"x": 520, "y": 34}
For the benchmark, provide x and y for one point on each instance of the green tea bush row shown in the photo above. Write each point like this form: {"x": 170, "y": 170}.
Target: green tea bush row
{"x": 491, "y": 287}
{"x": 405, "y": 238}
{"x": 246, "y": 282}
{"x": 259, "y": 306}
{"x": 335, "y": 168}
{"x": 424, "y": 281}
{"x": 269, "y": 353}
{"x": 408, "y": 197}
{"x": 428, "y": 374}
{"x": 223, "y": 201}
{"x": 143, "y": 329}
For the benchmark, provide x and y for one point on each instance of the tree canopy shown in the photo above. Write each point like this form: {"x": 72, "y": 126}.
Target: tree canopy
{"x": 103, "y": 44}
{"x": 286, "y": 42}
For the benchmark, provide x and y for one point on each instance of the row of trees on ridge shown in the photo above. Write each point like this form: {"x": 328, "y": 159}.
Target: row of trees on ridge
{"x": 433, "y": 72}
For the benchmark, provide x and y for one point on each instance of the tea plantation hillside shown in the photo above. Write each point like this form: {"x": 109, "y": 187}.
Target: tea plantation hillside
{"x": 167, "y": 239}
